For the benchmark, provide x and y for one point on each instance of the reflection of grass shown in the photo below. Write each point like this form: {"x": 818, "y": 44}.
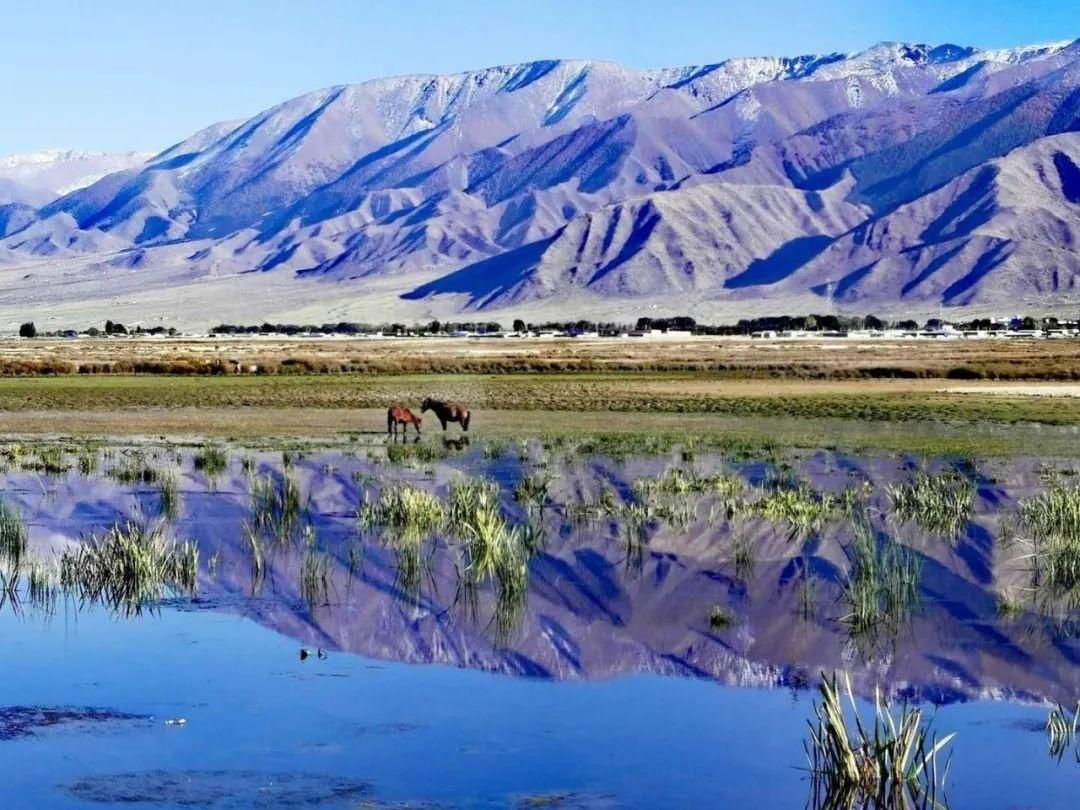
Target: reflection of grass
{"x": 742, "y": 555}
{"x": 1061, "y": 730}
{"x": 938, "y": 503}
{"x": 891, "y": 764}
{"x": 258, "y": 561}
{"x": 211, "y": 459}
{"x": 314, "y": 577}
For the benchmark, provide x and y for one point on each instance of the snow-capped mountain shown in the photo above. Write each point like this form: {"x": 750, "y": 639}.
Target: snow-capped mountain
{"x": 899, "y": 179}
{"x": 52, "y": 173}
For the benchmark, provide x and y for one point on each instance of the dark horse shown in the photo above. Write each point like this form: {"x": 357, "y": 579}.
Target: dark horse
{"x": 447, "y": 412}
{"x": 400, "y": 415}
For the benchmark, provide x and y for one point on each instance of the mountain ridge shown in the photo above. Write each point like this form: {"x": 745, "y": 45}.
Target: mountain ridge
{"x": 419, "y": 194}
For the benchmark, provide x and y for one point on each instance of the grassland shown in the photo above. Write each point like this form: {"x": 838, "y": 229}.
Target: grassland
{"x": 837, "y": 395}
{"x": 725, "y": 357}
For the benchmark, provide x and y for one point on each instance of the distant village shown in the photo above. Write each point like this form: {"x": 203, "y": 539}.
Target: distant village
{"x": 809, "y": 327}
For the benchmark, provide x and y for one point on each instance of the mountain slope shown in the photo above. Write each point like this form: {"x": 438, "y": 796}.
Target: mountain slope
{"x": 586, "y": 186}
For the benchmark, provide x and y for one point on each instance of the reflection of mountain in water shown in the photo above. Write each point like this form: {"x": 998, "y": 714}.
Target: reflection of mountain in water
{"x": 598, "y": 606}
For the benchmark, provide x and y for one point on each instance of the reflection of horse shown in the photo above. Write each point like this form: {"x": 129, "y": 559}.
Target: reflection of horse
{"x": 460, "y": 443}
{"x": 447, "y": 412}
{"x": 400, "y": 415}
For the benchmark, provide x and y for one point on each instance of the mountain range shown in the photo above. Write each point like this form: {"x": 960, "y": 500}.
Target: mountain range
{"x": 905, "y": 179}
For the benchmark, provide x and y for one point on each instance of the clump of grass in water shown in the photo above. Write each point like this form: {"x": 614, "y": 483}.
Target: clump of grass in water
{"x": 676, "y": 482}
{"x": 466, "y": 496}
{"x": 805, "y": 511}
{"x": 415, "y": 454}
{"x": 12, "y": 536}
{"x": 402, "y": 506}
{"x": 169, "y": 490}
{"x": 938, "y": 503}
{"x": 892, "y": 764}
{"x": 1053, "y": 520}
{"x": 212, "y": 460}
{"x": 87, "y": 462}
{"x": 1009, "y": 604}
{"x": 40, "y": 590}
{"x": 588, "y": 511}
{"x": 130, "y": 567}
{"x": 883, "y": 585}
{"x": 275, "y": 506}
{"x": 493, "y": 550}
{"x": 134, "y": 469}
{"x": 49, "y": 459}
{"x": 494, "y": 449}
{"x": 533, "y": 490}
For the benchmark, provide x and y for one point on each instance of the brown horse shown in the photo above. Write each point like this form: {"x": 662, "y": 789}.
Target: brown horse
{"x": 400, "y": 415}
{"x": 447, "y": 412}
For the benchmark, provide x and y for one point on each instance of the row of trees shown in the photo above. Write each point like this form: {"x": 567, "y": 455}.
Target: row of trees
{"x": 29, "y": 330}
{"x": 682, "y": 323}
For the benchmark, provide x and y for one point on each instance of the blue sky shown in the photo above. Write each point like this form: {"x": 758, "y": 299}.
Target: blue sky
{"x": 127, "y": 74}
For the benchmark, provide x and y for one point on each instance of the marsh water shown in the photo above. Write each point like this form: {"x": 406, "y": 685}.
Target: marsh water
{"x": 663, "y": 649}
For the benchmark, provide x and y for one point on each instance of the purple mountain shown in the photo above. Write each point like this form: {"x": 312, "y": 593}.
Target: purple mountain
{"x": 902, "y": 179}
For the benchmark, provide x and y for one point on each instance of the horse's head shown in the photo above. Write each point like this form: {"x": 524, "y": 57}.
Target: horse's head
{"x": 426, "y": 405}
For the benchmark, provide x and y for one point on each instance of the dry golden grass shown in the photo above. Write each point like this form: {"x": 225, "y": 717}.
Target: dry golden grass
{"x": 733, "y": 357}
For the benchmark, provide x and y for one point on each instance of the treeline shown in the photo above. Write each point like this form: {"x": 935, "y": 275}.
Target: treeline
{"x": 29, "y": 330}
{"x": 682, "y": 323}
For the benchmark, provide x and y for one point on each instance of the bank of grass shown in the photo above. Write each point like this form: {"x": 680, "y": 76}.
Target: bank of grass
{"x": 898, "y": 415}
{"x": 625, "y": 392}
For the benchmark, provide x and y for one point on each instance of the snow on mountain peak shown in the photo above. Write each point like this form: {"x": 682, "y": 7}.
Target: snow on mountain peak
{"x": 61, "y": 171}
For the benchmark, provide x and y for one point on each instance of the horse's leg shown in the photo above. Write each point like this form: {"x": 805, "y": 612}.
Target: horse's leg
{"x": 465, "y": 422}
{"x": 442, "y": 420}
{"x": 417, "y": 426}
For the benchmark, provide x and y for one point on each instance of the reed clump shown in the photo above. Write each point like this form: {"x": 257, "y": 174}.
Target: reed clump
{"x": 13, "y": 536}
{"x": 938, "y": 503}
{"x": 892, "y": 763}
{"x": 129, "y": 567}
{"x": 1052, "y": 520}
{"x": 276, "y": 506}
{"x": 532, "y": 490}
{"x": 883, "y": 586}
{"x": 403, "y": 507}
{"x": 211, "y": 459}
{"x": 804, "y": 510}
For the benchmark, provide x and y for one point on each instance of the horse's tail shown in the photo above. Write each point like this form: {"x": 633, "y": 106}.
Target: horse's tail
{"x": 465, "y": 420}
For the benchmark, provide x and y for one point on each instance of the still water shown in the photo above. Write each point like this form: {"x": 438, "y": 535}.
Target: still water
{"x": 608, "y": 684}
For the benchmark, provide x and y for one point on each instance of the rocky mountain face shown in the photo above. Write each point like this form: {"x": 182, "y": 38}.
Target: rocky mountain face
{"x": 903, "y": 178}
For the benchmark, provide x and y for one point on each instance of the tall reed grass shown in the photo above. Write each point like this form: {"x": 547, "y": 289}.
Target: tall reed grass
{"x": 892, "y": 763}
